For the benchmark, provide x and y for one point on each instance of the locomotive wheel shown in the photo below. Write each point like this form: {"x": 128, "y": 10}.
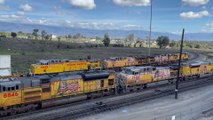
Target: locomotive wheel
{"x": 144, "y": 86}
{"x": 11, "y": 111}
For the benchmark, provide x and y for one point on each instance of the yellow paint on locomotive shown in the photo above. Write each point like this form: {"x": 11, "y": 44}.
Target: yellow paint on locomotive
{"x": 64, "y": 67}
{"x": 120, "y": 62}
{"x": 45, "y": 69}
{"x": 185, "y": 70}
{"x": 96, "y": 85}
{"x": 184, "y": 56}
{"x": 146, "y": 78}
{"x": 10, "y": 98}
{"x": 115, "y": 63}
{"x": 209, "y": 68}
{"x": 31, "y": 95}
{"x": 95, "y": 64}
{"x": 75, "y": 65}
{"x": 195, "y": 70}
{"x": 172, "y": 57}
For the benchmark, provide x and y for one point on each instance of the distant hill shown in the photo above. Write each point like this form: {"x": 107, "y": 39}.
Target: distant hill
{"x": 27, "y": 28}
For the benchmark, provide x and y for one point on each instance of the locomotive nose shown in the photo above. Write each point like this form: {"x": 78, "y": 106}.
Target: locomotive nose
{"x": 121, "y": 77}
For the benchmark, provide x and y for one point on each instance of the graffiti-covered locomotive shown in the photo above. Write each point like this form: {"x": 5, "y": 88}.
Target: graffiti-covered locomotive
{"x": 23, "y": 94}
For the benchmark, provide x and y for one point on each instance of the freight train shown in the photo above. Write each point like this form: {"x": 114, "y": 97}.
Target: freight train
{"x": 58, "y": 66}
{"x": 28, "y": 93}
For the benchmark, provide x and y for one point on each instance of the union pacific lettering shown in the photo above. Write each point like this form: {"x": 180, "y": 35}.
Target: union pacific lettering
{"x": 12, "y": 94}
{"x": 76, "y": 64}
{"x": 44, "y": 67}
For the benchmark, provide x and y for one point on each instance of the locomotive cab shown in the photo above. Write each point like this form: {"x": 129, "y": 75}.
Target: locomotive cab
{"x": 10, "y": 93}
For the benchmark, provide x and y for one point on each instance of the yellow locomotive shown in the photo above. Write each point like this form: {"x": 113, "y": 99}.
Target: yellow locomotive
{"x": 58, "y": 66}
{"x": 119, "y": 62}
{"x": 196, "y": 68}
{"x": 26, "y": 94}
{"x": 136, "y": 77}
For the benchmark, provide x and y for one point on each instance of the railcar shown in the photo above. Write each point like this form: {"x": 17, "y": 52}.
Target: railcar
{"x": 57, "y": 66}
{"x": 195, "y": 68}
{"x": 134, "y": 78}
{"x": 119, "y": 62}
{"x": 24, "y": 94}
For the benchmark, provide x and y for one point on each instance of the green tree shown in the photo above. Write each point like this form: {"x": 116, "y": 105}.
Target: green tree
{"x": 43, "y": 34}
{"x": 20, "y": 33}
{"x": 59, "y": 42}
{"x": 162, "y": 41}
{"x": 50, "y": 37}
{"x": 106, "y": 40}
{"x": 172, "y": 44}
{"x": 13, "y": 34}
{"x": 198, "y": 46}
{"x": 35, "y": 33}
{"x": 77, "y": 36}
{"x": 131, "y": 37}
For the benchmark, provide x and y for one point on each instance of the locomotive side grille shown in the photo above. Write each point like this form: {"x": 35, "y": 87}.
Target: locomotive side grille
{"x": 32, "y": 92}
{"x": 32, "y": 98}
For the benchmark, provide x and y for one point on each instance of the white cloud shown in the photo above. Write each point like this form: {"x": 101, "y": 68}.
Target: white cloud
{"x": 90, "y": 24}
{"x": 132, "y": 2}
{"x": 194, "y": 15}
{"x": 2, "y": 1}
{"x": 25, "y": 7}
{"x": 85, "y": 4}
{"x": 11, "y": 18}
{"x": 209, "y": 24}
{"x": 208, "y": 28}
{"x": 21, "y": 13}
{"x": 43, "y": 21}
{"x": 195, "y": 2}
{"x": 4, "y": 8}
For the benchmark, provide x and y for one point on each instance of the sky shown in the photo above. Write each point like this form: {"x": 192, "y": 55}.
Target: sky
{"x": 168, "y": 15}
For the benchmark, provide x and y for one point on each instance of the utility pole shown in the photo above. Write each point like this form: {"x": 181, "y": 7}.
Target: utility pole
{"x": 179, "y": 66}
{"x": 150, "y": 27}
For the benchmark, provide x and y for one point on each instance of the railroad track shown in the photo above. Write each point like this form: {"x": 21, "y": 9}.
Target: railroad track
{"x": 112, "y": 105}
{"x": 194, "y": 56}
{"x": 80, "y": 102}
{"x": 89, "y": 107}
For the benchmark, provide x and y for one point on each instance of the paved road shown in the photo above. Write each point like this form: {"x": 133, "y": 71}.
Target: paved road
{"x": 190, "y": 105}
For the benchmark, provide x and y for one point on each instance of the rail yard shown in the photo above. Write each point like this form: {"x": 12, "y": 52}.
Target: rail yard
{"x": 106, "y": 60}
{"x": 24, "y": 94}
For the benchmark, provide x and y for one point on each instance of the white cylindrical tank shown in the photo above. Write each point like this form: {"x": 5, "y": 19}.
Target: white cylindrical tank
{"x": 5, "y": 65}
